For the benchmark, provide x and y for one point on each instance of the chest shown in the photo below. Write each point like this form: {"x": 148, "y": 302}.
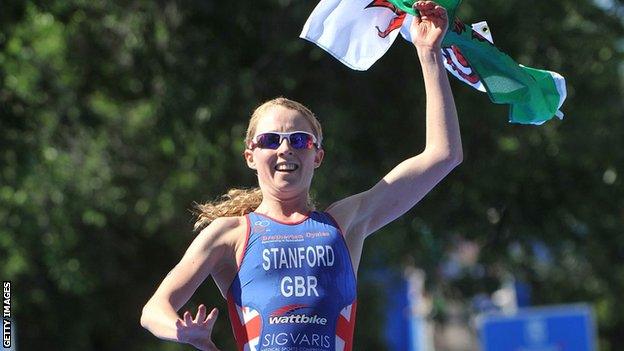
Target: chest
{"x": 308, "y": 263}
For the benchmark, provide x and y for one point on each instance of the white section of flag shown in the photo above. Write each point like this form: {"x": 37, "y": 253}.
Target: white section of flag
{"x": 483, "y": 29}
{"x": 348, "y": 30}
{"x": 561, "y": 89}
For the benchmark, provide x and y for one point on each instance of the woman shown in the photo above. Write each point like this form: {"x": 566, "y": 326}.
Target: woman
{"x": 288, "y": 272}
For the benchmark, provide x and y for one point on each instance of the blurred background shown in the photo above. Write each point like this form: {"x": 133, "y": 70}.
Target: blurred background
{"x": 115, "y": 116}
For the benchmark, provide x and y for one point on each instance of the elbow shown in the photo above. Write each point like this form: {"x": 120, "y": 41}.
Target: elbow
{"x": 145, "y": 317}
{"x": 449, "y": 158}
{"x": 452, "y": 161}
{"x": 457, "y": 158}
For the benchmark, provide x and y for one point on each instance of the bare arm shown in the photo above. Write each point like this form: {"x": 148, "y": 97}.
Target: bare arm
{"x": 412, "y": 179}
{"x": 202, "y": 257}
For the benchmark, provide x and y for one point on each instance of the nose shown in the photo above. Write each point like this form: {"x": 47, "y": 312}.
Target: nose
{"x": 285, "y": 147}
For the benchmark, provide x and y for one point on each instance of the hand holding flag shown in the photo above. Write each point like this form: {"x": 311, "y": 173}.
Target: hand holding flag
{"x": 428, "y": 29}
{"x": 359, "y": 32}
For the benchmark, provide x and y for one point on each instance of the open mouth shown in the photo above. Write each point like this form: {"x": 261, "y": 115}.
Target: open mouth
{"x": 286, "y": 167}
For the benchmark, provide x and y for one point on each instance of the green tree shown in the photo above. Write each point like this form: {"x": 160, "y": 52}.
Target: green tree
{"x": 116, "y": 116}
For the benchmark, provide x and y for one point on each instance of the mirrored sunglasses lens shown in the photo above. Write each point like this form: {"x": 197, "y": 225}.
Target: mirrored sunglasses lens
{"x": 268, "y": 141}
{"x": 301, "y": 141}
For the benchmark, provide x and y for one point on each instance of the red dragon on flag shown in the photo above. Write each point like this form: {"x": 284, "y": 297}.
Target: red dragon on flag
{"x": 395, "y": 23}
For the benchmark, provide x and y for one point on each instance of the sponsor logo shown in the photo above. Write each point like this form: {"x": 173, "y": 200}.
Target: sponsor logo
{"x": 280, "y": 238}
{"x": 287, "y": 309}
{"x": 298, "y": 319}
{"x": 260, "y": 227}
{"x": 297, "y": 339}
{"x": 315, "y": 235}
{"x": 287, "y": 315}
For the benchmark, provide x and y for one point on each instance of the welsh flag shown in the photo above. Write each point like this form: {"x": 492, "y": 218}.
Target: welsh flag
{"x": 356, "y": 32}
{"x": 359, "y": 32}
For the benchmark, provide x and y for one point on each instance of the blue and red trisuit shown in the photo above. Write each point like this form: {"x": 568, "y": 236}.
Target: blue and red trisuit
{"x": 295, "y": 289}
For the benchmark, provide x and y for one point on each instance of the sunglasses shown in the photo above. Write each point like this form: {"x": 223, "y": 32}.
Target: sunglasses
{"x": 272, "y": 140}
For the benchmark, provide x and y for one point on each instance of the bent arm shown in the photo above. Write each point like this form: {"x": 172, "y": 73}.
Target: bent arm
{"x": 406, "y": 184}
{"x": 412, "y": 179}
{"x": 159, "y": 314}
{"x": 443, "y": 140}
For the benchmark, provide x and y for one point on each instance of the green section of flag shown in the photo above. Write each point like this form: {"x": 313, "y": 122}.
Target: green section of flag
{"x": 543, "y": 100}
{"x": 532, "y": 93}
{"x": 406, "y": 6}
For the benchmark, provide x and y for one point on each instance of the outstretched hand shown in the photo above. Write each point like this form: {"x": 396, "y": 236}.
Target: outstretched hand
{"x": 428, "y": 29}
{"x": 198, "y": 331}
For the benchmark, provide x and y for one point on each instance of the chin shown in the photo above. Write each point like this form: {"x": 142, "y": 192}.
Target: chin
{"x": 289, "y": 185}
{"x": 289, "y": 182}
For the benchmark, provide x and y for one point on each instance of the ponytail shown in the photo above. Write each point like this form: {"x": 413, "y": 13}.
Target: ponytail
{"x": 237, "y": 202}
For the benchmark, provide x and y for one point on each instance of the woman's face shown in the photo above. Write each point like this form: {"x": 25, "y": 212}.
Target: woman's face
{"x": 275, "y": 167}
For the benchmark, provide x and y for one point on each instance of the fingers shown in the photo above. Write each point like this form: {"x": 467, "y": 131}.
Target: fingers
{"x": 212, "y": 318}
{"x": 417, "y": 20}
{"x": 424, "y": 5}
{"x": 187, "y": 318}
{"x": 429, "y": 9}
{"x": 201, "y": 314}
{"x": 440, "y": 11}
{"x": 201, "y": 317}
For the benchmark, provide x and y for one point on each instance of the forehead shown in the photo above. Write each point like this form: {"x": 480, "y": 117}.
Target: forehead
{"x": 282, "y": 119}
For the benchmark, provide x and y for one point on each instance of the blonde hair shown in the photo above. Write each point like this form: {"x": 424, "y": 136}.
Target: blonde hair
{"x": 237, "y": 201}
{"x": 289, "y": 104}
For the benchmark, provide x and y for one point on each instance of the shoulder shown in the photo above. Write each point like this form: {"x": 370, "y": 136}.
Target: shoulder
{"x": 223, "y": 231}
{"x": 222, "y": 224}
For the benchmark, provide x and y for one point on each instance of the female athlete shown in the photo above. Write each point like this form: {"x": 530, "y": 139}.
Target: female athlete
{"x": 288, "y": 272}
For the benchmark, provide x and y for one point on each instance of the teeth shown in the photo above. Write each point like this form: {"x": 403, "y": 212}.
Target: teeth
{"x": 286, "y": 167}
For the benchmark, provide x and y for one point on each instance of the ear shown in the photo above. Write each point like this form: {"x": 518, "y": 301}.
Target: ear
{"x": 248, "y": 154}
{"x": 318, "y": 158}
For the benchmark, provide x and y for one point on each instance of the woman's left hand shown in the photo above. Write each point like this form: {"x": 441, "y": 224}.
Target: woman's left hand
{"x": 428, "y": 29}
{"x": 198, "y": 331}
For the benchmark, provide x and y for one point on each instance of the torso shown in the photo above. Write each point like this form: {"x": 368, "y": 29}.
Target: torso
{"x": 235, "y": 240}
{"x": 296, "y": 284}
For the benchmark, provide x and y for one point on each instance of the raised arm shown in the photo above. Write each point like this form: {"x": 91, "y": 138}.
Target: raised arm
{"x": 203, "y": 257}
{"x": 412, "y": 179}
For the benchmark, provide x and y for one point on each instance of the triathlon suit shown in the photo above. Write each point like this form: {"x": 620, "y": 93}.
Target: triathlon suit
{"x": 295, "y": 289}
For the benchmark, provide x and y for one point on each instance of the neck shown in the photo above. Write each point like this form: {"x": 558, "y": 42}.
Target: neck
{"x": 292, "y": 209}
